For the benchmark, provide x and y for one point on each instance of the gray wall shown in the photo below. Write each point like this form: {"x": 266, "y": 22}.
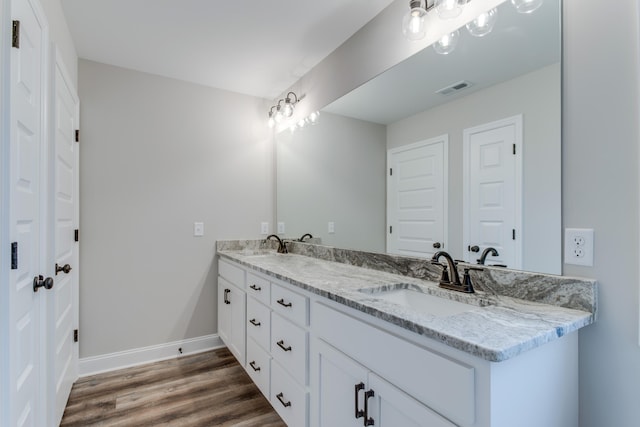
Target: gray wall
{"x": 600, "y": 175}
{"x": 536, "y": 96}
{"x": 334, "y": 171}
{"x": 156, "y": 155}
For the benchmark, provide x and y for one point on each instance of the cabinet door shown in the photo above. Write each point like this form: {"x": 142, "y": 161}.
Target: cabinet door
{"x": 390, "y": 407}
{"x": 231, "y": 318}
{"x": 336, "y": 378}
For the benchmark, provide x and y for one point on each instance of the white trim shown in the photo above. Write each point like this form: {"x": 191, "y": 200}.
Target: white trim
{"x": 516, "y": 121}
{"x": 154, "y": 353}
{"x": 441, "y": 139}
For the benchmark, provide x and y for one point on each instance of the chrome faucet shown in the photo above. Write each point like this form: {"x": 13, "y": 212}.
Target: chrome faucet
{"x": 485, "y": 253}
{"x": 282, "y": 246}
{"x": 453, "y": 283}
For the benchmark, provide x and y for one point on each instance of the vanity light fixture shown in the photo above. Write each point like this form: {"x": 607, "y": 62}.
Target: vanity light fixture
{"x": 289, "y": 104}
{"x": 272, "y": 120}
{"x": 413, "y": 26}
{"x": 283, "y": 111}
{"x": 279, "y": 115}
{"x": 483, "y": 24}
{"x": 447, "y": 43}
{"x": 449, "y": 9}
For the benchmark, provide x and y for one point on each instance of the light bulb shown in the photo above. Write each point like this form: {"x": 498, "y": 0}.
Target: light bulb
{"x": 271, "y": 122}
{"x": 526, "y": 6}
{"x": 287, "y": 110}
{"x": 279, "y": 115}
{"x": 313, "y": 117}
{"x": 302, "y": 123}
{"x": 449, "y": 9}
{"x": 447, "y": 43}
{"x": 483, "y": 24}
{"x": 413, "y": 21}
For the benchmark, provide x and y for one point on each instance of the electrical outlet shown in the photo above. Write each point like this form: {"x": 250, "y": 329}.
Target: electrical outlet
{"x": 281, "y": 228}
{"x": 578, "y": 246}
{"x": 331, "y": 227}
{"x": 264, "y": 228}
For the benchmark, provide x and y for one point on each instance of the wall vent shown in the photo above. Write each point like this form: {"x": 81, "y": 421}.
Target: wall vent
{"x": 456, "y": 87}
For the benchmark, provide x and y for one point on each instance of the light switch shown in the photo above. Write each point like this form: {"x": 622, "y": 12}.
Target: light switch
{"x": 198, "y": 229}
{"x": 264, "y": 228}
{"x": 281, "y": 228}
{"x": 331, "y": 227}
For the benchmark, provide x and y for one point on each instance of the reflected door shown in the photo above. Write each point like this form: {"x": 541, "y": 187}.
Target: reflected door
{"x": 492, "y": 191}
{"x": 416, "y": 198}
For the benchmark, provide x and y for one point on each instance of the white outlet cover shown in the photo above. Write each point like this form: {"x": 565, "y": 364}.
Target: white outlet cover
{"x": 281, "y": 228}
{"x": 578, "y": 246}
{"x": 198, "y": 229}
{"x": 264, "y": 228}
{"x": 331, "y": 227}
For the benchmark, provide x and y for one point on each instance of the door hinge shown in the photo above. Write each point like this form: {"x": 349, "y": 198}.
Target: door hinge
{"x": 390, "y": 171}
{"x": 76, "y": 235}
{"x": 15, "y": 36}
{"x": 513, "y": 234}
{"x": 14, "y": 255}
{"x": 75, "y": 335}
{"x": 77, "y": 135}
{"x": 390, "y": 229}
{"x": 514, "y": 149}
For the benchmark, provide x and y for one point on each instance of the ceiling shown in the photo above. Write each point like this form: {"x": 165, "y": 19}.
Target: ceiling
{"x": 518, "y": 44}
{"x": 254, "y": 47}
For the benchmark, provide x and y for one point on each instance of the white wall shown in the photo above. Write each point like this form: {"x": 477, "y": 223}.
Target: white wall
{"x": 536, "y": 96}
{"x": 334, "y": 171}
{"x": 600, "y": 175}
{"x": 156, "y": 155}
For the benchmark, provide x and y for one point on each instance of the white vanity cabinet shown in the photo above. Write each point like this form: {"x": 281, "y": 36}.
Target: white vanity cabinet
{"x": 231, "y": 308}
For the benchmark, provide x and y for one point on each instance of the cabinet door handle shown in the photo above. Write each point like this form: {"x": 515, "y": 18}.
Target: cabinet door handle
{"x": 255, "y": 288}
{"x": 253, "y": 365}
{"x": 254, "y": 323}
{"x": 281, "y": 345}
{"x": 368, "y": 421}
{"x": 226, "y": 299}
{"x": 359, "y": 412}
{"x": 284, "y": 304}
{"x": 280, "y": 397}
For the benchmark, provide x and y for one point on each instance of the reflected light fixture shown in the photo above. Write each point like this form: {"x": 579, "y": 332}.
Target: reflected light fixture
{"x": 279, "y": 115}
{"x": 272, "y": 120}
{"x": 413, "y": 26}
{"x": 447, "y": 43}
{"x": 526, "y": 6}
{"x": 449, "y": 9}
{"x": 289, "y": 104}
{"x": 283, "y": 109}
{"x": 483, "y": 24}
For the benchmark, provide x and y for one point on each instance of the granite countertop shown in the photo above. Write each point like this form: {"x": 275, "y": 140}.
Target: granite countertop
{"x": 495, "y": 328}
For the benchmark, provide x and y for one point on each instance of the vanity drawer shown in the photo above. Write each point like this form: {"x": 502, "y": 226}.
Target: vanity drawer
{"x": 289, "y": 347}
{"x": 232, "y": 273}
{"x": 289, "y": 399}
{"x": 290, "y": 304}
{"x": 258, "y": 322}
{"x": 258, "y": 366}
{"x": 258, "y": 287}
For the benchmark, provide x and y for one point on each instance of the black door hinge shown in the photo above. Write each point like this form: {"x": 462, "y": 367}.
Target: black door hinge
{"x": 75, "y": 335}
{"x": 15, "y": 36}
{"x": 513, "y": 234}
{"x": 14, "y": 255}
{"x": 391, "y": 229}
{"x": 76, "y": 235}
{"x": 77, "y": 135}
{"x": 390, "y": 171}
{"x": 514, "y": 149}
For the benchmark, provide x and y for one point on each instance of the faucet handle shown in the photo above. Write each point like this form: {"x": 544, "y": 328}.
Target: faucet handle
{"x": 467, "y": 285}
{"x": 444, "y": 277}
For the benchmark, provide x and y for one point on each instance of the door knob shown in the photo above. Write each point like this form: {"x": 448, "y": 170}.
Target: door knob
{"x": 41, "y": 282}
{"x": 65, "y": 269}
{"x": 474, "y": 248}
{"x": 437, "y": 245}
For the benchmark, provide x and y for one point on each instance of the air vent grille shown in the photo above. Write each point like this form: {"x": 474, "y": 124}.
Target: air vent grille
{"x": 456, "y": 87}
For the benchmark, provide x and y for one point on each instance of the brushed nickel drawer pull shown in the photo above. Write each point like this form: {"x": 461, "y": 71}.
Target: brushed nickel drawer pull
{"x": 255, "y": 288}
{"x": 284, "y": 304}
{"x": 253, "y": 365}
{"x": 281, "y": 345}
{"x": 280, "y": 397}
{"x": 254, "y": 323}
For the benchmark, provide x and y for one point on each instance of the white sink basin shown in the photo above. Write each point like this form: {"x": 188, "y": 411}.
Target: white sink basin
{"x": 426, "y": 303}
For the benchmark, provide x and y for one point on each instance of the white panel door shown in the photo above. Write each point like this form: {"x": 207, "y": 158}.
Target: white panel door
{"x": 417, "y": 198}
{"x": 62, "y": 311}
{"x": 492, "y": 191}
{"x": 26, "y": 335}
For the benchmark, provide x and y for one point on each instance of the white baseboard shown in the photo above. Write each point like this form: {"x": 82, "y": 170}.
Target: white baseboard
{"x": 139, "y": 356}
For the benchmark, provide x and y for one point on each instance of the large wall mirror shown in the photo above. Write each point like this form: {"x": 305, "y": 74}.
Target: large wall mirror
{"x": 502, "y": 93}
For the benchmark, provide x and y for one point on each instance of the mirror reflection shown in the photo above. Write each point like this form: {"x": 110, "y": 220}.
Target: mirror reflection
{"x": 457, "y": 152}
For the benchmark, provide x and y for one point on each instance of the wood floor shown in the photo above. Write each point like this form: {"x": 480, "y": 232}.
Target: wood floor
{"x": 206, "y": 389}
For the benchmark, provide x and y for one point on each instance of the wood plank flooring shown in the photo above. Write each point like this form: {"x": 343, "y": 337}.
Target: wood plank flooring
{"x": 206, "y": 389}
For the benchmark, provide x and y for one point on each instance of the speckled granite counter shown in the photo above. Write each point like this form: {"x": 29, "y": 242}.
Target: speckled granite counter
{"x": 497, "y": 327}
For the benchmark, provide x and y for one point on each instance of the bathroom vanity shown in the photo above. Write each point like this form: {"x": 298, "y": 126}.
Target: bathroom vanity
{"x": 334, "y": 344}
